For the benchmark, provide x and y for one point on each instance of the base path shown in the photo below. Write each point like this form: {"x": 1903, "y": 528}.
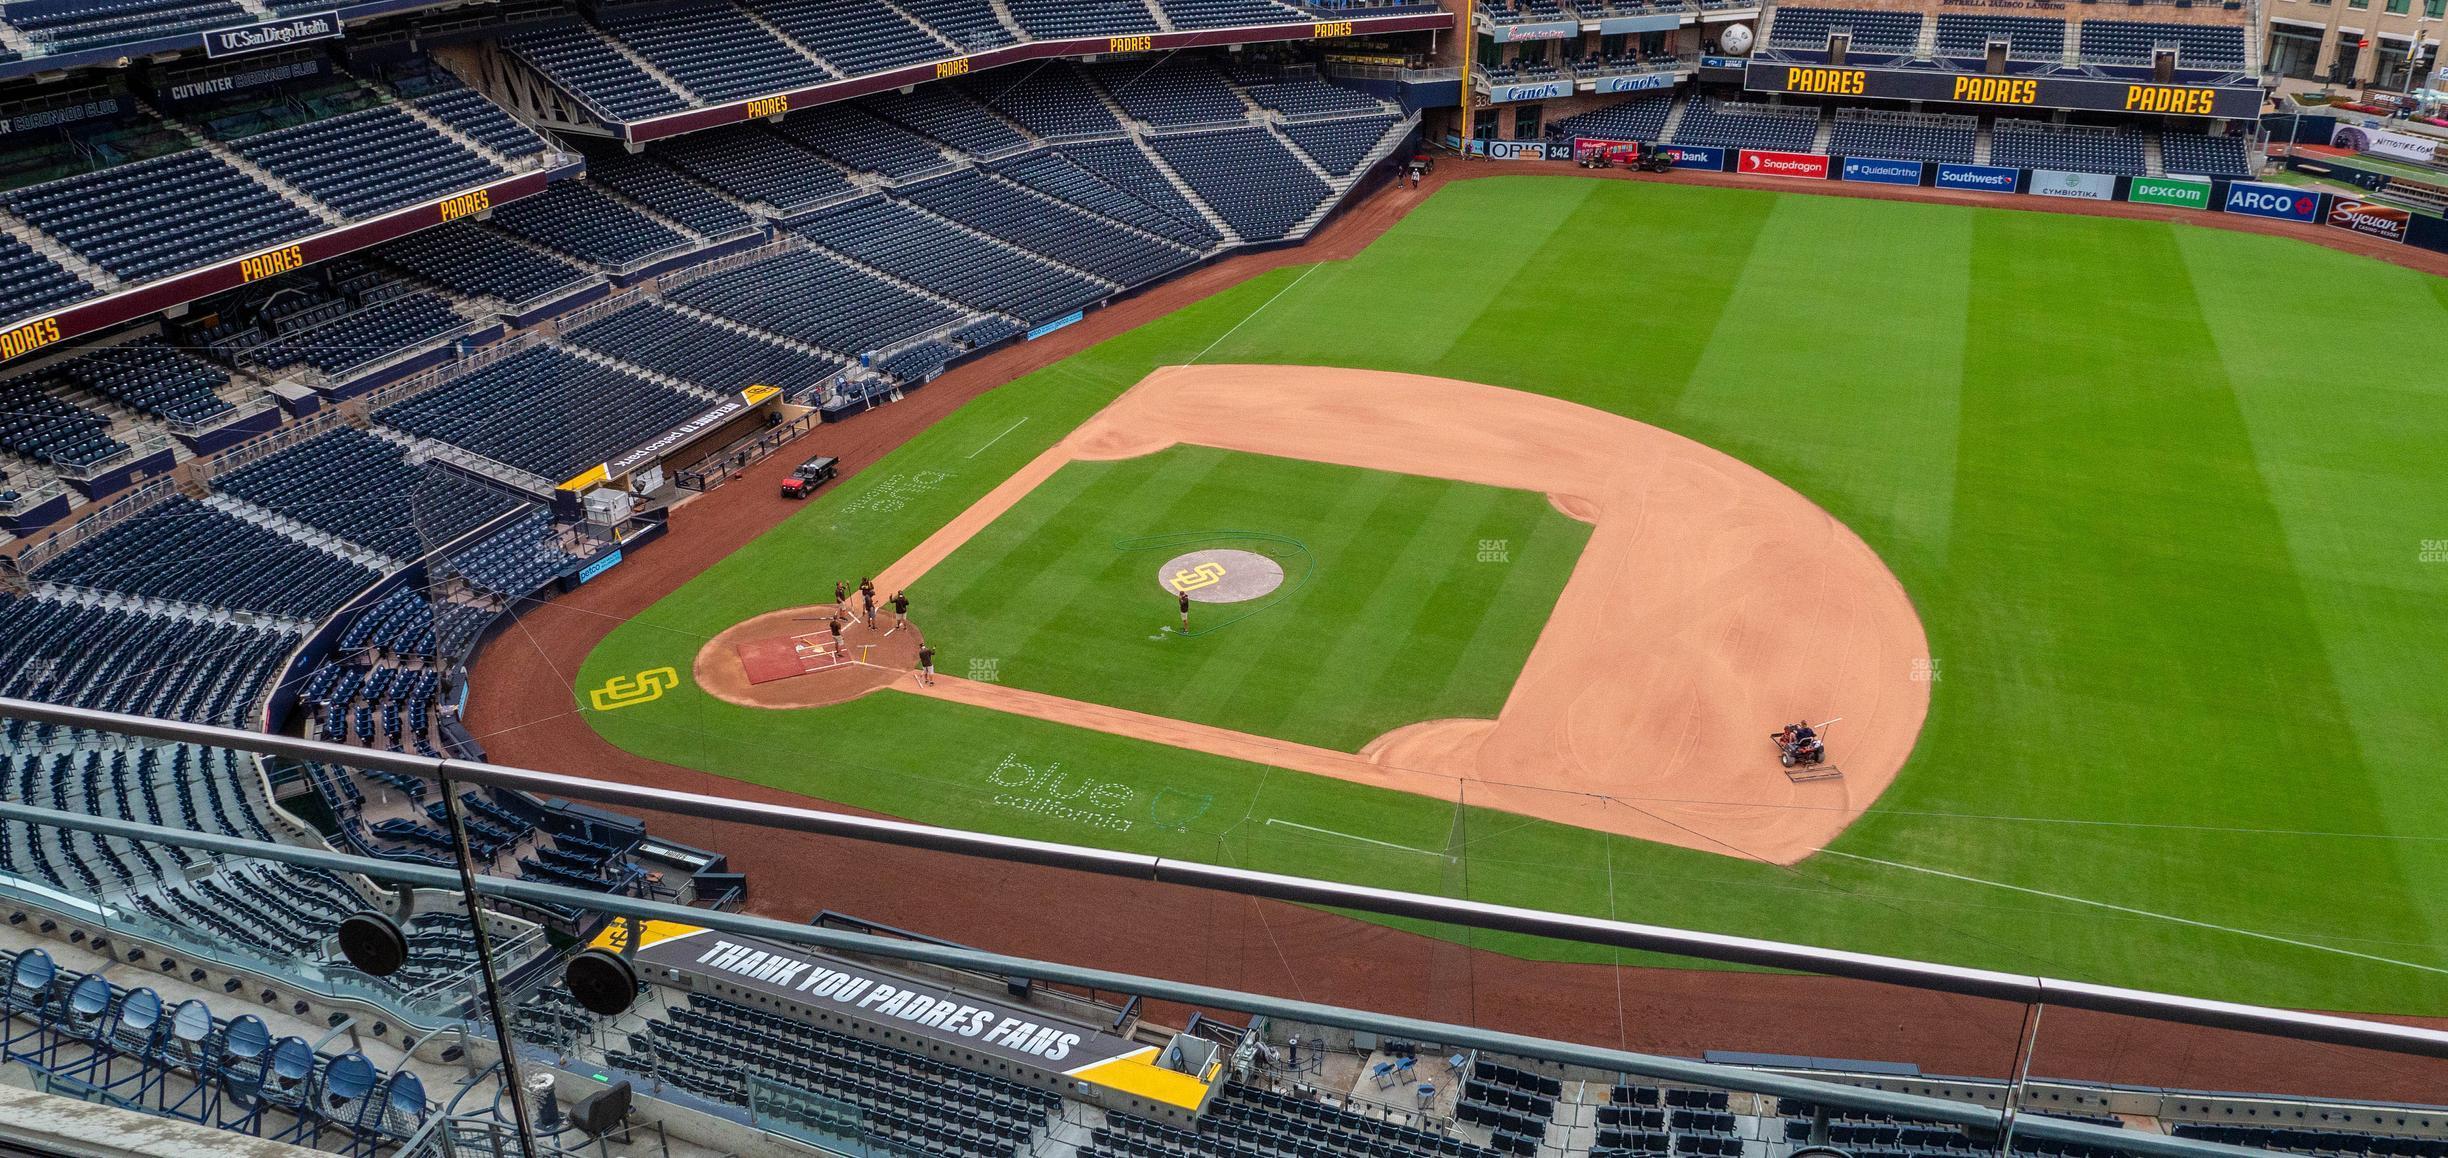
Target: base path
{"x": 1711, "y": 604}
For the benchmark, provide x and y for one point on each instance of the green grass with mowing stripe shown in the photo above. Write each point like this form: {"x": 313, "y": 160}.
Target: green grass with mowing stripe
{"x": 2168, "y": 552}
{"x": 1386, "y": 616}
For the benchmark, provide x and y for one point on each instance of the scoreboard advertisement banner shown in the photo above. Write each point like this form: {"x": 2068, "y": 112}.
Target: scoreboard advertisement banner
{"x": 1770, "y": 163}
{"x": 1638, "y": 82}
{"x": 1706, "y": 157}
{"x": 2235, "y": 102}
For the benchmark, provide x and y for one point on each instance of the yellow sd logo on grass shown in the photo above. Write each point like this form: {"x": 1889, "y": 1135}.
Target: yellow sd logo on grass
{"x": 625, "y": 691}
{"x": 1206, "y": 574}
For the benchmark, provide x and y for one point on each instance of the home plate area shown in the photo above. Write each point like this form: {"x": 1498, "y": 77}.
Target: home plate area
{"x": 784, "y": 656}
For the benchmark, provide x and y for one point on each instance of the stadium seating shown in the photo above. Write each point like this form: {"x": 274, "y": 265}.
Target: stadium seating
{"x": 862, "y": 141}
{"x": 161, "y": 215}
{"x": 72, "y": 24}
{"x": 2075, "y": 148}
{"x": 712, "y": 48}
{"x": 1171, "y": 91}
{"x": 375, "y": 332}
{"x": 1893, "y": 33}
{"x": 367, "y": 162}
{"x": 183, "y": 550}
{"x": 47, "y": 429}
{"x": 941, "y": 112}
{"x": 471, "y": 259}
{"x": 959, "y": 265}
{"x": 664, "y": 190}
{"x": 2201, "y": 46}
{"x": 361, "y": 488}
{"x": 819, "y": 300}
{"x": 134, "y": 661}
{"x": 1050, "y": 101}
{"x": 150, "y": 376}
{"x": 1903, "y": 136}
{"x": 515, "y": 560}
{"x": 1725, "y": 124}
{"x": 30, "y": 282}
{"x": 545, "y": 411}
{"x": 1248, "y": 176}
{"x": 714, "y": 1048}
{"x": 970, "y": 25}
{"x": 754, "y": 165}
{"x": 1228, "y": 13}
{"x": 1339, "y": 146}
{"x": 686, "y": 346}
{"x": 2204, "y": 155}
{"x": 1061, "y": 175}
{"x": 1121, "y": 165}
{"x": 1074, "y": 237}
{"x": 1064, "y": 19}
{"x": 581, "y": 61}
{"x": 1639, "y": 118}
{"x": 588, "y": 225}
{"x": 469, "y": 112}
{"x": 1307, "y": 96}
{"x": 855, "y": 36}
{"x": 2027, "y": 37}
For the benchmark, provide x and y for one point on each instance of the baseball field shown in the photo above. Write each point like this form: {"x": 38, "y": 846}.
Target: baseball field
{"x": 2176, "y": 548}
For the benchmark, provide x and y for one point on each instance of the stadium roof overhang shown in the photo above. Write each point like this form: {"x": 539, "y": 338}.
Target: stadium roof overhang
{"x": 777, "y": 103}
{"x": 286, "y": 30}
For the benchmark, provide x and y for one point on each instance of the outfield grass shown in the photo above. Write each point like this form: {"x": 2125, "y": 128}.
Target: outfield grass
{"x": 1386, "y": 615}
{"x": 2168, "y": 553}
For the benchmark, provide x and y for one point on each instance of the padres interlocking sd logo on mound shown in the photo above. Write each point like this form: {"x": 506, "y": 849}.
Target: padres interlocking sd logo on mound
{"x": 1220, "y": 576}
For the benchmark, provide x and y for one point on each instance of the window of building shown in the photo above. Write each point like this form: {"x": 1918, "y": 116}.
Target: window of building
{"x": 2435, "y": 9}
{"x": 2397, "y": 7}
{"x": 1526, "y": 123}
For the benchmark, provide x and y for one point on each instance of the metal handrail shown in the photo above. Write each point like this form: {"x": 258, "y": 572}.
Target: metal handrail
{"x": 1915, "y": 1107}
{"x": 1720, "y": 947}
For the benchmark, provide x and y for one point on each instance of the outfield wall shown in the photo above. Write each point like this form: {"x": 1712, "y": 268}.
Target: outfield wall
{"x": 2311, "y": 208}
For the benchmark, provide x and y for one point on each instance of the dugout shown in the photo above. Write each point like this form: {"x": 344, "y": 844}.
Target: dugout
{"x": 640, "y": 470}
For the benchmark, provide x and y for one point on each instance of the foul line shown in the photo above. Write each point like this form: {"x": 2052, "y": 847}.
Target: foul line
{"x": 2138, "y": 912}
{"x": 1361, "y": 839}
{"x": 1245, "y": 319}
{"x": 997, "y": 438}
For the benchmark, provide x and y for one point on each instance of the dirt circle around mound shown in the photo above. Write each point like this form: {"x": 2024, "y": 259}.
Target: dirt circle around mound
{"x": 786, "y": 659}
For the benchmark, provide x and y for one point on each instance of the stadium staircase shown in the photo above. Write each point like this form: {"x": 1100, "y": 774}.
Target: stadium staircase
{"x": 1164, "y": 20}
{"x": 103, "y": 280}
{"x": 1003, "y": 15}
{"x": 2154, "y": 161}
{"x": 1827, "y": 129}
{"x": 1215, "y": 220}
{"x": 288, "y": 192}
{"x": 1981, "y": 143}
{"x": 1674, "y": 117}
{"x": 1342, "y": 185}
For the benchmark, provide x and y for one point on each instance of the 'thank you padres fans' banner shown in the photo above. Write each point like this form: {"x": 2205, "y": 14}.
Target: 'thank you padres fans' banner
{"x": 1882, "y": 171}
{"x": 2082, "y": 186}
{"x": 2007, "y": 91}
{"x": 1770, "y": 163}
{"x": 991, "y": 1030}
{"x": 271, "y": 34}
{"x": 2182, "y": 192}
{"x": 2253, "y": 199}
{"x": 1989, "y": 178}
{"x": 2382, "y": 221}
